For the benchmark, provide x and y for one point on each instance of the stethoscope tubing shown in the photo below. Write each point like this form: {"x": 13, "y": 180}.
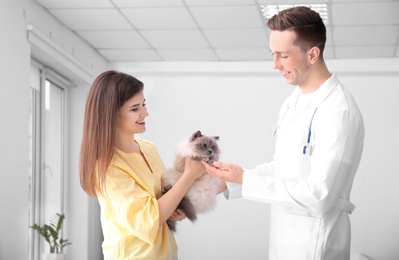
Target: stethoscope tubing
{"x": 306, "y": 147}
{"x": 309, "y": 132}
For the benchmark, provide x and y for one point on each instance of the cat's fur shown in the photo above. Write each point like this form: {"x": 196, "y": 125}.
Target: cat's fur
{"x": 201, "y": 196}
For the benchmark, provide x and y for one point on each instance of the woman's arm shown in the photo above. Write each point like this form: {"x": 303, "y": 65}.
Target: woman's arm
{"x": 170, "y": 200}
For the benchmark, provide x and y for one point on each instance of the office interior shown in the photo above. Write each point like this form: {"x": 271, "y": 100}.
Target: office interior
{"x": 217, "y": 84}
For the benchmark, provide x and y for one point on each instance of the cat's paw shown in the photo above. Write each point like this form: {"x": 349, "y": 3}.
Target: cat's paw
{"x": 210, "y": 162}
{"x": 197, "y": 158}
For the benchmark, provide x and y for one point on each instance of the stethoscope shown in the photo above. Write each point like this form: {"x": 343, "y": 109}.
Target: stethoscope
{"x": 307, "y": 148}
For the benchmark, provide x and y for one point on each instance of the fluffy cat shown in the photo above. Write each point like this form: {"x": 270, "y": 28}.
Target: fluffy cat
{"x": 201, "y": 196}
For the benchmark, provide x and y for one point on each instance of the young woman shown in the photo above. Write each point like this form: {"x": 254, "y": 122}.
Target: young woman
{"x": 124, "y": 172}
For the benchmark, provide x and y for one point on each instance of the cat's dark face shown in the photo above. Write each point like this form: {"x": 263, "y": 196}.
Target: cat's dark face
{"x": 204, "y": 147}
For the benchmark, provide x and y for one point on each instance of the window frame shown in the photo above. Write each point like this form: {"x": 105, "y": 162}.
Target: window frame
{"x": 38, "y": 152}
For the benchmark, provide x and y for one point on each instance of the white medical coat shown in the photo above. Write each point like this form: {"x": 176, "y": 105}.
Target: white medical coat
{"x": 309, "y": 194}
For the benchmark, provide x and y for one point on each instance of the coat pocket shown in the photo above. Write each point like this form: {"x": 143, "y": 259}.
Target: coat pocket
{"x": 296, "y": 236}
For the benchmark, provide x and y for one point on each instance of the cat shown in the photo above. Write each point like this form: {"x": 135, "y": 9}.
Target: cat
{"x": 201, "y": 196}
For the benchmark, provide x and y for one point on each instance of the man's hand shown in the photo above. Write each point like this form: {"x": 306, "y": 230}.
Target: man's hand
{"x": 225, "y": 171}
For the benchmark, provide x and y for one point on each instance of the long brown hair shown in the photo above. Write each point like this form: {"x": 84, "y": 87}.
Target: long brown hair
{"x": 110, "y": 90}
{"x": 307, "y": 25}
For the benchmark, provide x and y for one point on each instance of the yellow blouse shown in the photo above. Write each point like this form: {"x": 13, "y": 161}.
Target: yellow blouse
{"x": 129, "y": 208}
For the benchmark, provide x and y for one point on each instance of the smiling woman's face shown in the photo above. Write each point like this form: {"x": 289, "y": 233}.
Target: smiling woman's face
{"x": 132, "y": 115}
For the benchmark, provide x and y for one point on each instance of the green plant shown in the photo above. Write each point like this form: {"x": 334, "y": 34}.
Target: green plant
{"x": 51, "y": 233}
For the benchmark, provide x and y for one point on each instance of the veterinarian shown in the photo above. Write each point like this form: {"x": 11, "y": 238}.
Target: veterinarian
{"x": 124, "y": 172}
{"x": 319, "y": 142}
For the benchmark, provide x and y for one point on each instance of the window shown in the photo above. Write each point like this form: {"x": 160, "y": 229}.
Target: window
{"x": 48, "y": 161}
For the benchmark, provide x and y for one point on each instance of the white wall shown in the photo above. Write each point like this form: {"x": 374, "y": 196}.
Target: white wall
{"x": 14, "y": 139}
{"x": 15, "y": 53}
{"x": 239, "y": 102}
{"x": 375, "y": 221}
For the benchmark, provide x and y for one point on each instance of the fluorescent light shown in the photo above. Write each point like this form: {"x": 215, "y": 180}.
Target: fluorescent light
{"x": 269, "y": 10}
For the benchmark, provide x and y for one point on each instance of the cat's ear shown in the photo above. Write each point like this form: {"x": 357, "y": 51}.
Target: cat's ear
{"x": 196, "y": 135}
{"x": 216, "y": 138}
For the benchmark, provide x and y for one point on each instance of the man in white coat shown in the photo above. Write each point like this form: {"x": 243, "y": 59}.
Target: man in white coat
{"x": 319, "y": 142}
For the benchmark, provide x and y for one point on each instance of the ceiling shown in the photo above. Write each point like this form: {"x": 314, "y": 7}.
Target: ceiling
{"x": 220, "y": 30}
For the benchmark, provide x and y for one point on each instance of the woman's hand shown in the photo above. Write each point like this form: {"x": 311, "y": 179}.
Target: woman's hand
{"x": 193, "y": 168}
{"x": 178, "y": 215}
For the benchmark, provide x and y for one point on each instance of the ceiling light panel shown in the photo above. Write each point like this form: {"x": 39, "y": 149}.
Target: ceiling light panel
{"x": 269, "y": 10}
